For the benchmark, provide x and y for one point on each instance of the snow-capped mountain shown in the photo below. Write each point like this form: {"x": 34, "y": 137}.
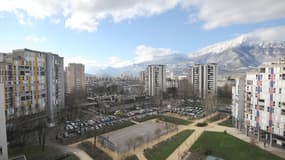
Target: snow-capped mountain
{"x": 239, "y": 54}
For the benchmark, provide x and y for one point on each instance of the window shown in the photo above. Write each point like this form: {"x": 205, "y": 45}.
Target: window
{"x": 280, "y": 90}
{"x": 283, "y": 112}
{"x": 1, "y": 151}
{"x": 249, "y": 82}
{"x": 283, "y": 76}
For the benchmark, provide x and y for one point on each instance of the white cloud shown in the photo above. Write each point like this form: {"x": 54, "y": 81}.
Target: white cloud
{"x": 90, "y": 64}
{"x": 147, "y": 53}
{"x": 142, "y": 54}
{"x": 87, "y": 14}
{"x": 270, "y": 34}
{"x": 35, "y": 39}
{"x": 221, "y": 13}
{"x": 55, "y": 20}
{"x": 117, "y": 62}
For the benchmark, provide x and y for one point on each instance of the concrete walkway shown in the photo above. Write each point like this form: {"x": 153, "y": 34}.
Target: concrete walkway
{"x": 74, "y": 150}
{"x": 184, "y": 147}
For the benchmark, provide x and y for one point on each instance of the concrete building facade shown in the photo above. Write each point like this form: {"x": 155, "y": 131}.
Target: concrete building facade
{"x": 3, "y": 135}
{"x": 55, "y": 85}
{"x": 265, "y": 103}
{"x": 155, "y": 80}
{"x": 238, "y": 102}
{"x": 203, "y": 77}
{"x": 142, "y": 76}
{"x": 75, "y": 77}
{"x": 32, "y": 82}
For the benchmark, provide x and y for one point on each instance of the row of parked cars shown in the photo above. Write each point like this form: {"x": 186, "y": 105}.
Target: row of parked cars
{"x": 79, "y": 127}
{"x": 196, "y": 111}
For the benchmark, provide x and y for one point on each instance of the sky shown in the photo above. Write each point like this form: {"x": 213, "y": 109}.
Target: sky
{"x": 116, "y": 33}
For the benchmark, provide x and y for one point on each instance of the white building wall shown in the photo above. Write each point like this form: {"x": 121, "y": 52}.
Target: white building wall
{"x": 238, "y": 102}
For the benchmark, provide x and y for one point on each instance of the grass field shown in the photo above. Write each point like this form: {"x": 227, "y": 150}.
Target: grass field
{"x": 132, "y": 157}
{"x": 163, "y": 149}
{"x": 229, "y": 148}
{"x": 34, "y": 152}
{"x": 216, "y": 118}
{"x": 227, "y": 123}
{"x": 169, "y": 119}
{"x": 68, "y": 157}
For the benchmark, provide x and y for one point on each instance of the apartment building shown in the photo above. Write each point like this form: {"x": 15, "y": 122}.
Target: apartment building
{"x": 142, "y": 76}
{"x": 75, "y": 78}
{"x": 238, "y": 102}
{"x": 3, "y": 136}
{"x": 55, "y": 85}
{"x": 203, "y": 77}
{"x": 265, "y": 103}
{"x": 33, "y": 83}
{"x": 155, "y": 80}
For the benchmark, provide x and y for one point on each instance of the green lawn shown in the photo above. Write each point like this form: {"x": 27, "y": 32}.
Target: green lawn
{"x": 68, "y": 157}
{"x": 147, "y": 118}
{"x": 165, "y": 118}
{"x": 163, "y": 149}
{"x": 229, "y": 148}
{"x": 216, "y": 118}
{"x": 174, "y": 120}
{"x": 132, "y": 157}
{"x": 34, "y": 152}
{"x": 227, "y": 123}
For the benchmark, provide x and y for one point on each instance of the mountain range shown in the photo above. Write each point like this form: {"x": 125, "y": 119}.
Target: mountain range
{"x": 239, "y": 55}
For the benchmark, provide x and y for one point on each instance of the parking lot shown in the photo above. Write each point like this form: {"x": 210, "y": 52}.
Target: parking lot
{"x": 79, "y": 127}
{"x": 195, "y": 112}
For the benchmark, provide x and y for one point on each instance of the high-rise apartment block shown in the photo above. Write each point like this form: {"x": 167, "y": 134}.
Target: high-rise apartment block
{"x": 155, "y": 80}
{"x": 75, "y": 78}
{"x": 265, "y": 102}
{"x": 3, "y": 136}
{"x": 259, "y": 103}
{"x": 203, "y": 77}
{"x": 142, "y": 76}
{"x": 33, "y": 83}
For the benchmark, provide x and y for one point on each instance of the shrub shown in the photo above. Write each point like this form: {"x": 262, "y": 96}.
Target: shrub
{"x": 201, "y": 124}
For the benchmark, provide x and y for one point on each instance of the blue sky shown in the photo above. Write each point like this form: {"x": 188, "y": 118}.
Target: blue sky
{"x": 109, "y": 33}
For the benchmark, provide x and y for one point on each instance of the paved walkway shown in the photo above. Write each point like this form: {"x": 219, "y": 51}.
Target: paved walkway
{"x": 74, "y": 150}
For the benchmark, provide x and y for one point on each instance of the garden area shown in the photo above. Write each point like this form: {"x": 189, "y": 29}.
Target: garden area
{"x": 227, "y": 122}
{"x": 169, "y": 119}
{"x": 35, "y": 152}
{"x": 163, "y": 149}
{"x": 132, "y": 157}
{"x": 227, "y": 147}
{"x": 93, "y": 151}
{"x": 217, "y": 117}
